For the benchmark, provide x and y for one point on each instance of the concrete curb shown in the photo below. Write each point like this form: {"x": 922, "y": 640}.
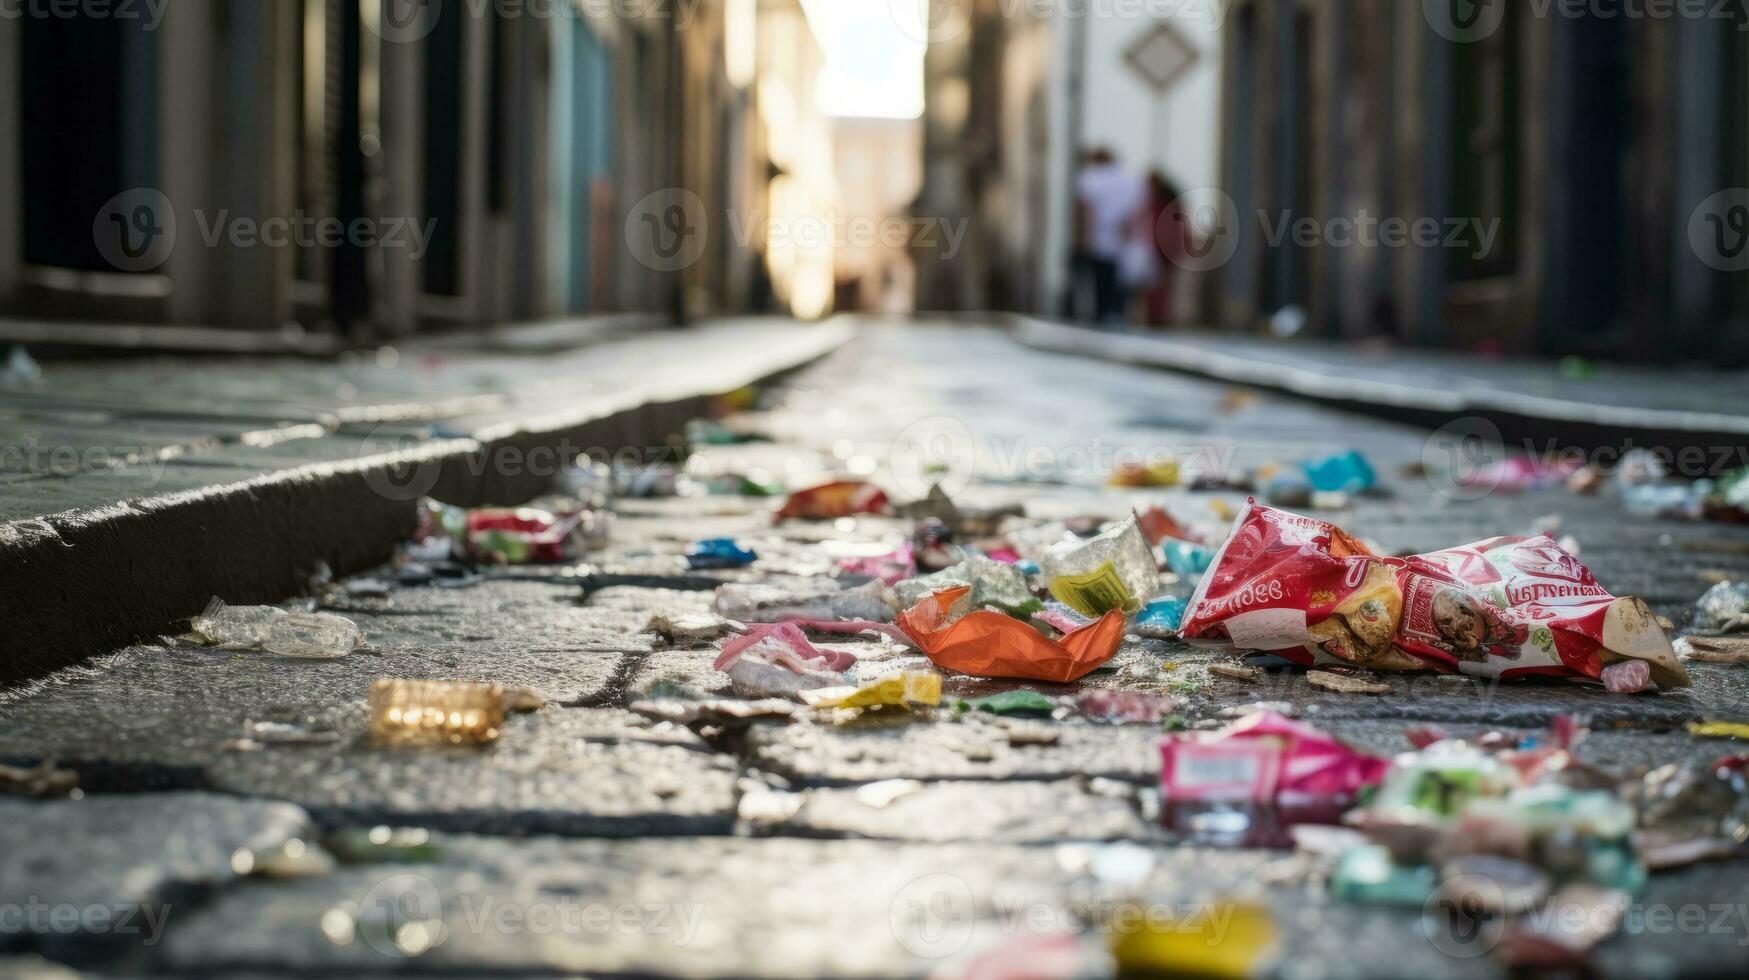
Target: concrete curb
{"x": 1528, "y": 421}
{"x": 82, "y": 583}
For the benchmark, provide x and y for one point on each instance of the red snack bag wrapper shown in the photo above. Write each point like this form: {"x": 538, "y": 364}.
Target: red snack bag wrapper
{"x": 1504, "y": 607}
{"x": 993, "y": 644}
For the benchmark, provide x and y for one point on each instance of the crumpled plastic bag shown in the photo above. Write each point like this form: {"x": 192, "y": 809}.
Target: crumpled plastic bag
{"x": 768, "y": 664}
{"x": 991, "y": 644}
{"x": 304, "y": 635}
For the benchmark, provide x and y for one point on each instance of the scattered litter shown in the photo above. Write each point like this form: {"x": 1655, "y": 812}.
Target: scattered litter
{"x": 428, "y": 713}
{"x": 1113, "y": 570}
{"x": 44, "y": 779}
{"x": 1508, "y": 607}
{"x": 905, "y": 688}
{"x": 1345, "y": 683}
{"x": 1286, "y": 487}
{"x": 779, "y": 662}
{"x": 1718, "y": 729}
{"x": 1159, "y": 619}
{"x": 994, "y": 644}
{"x": 1015, "y": 702}
{"x": 550, "y": 531}
{"x": 1193, "y": 945}
{"x": 880, "y": 795}
{"x": 992, "y": 584}
{"x": 1153, "y": 473}
{"x": 1514, "y": 474}
{"x": 1714, "y": 650}
{"x": 1157, "y": 525}
{"x": 304, "y": 635}
{"x": 691, "y": 627}
{"x": 1125, "y": 707}
{"x": 1237, "y": 672}
{"x": 830, "y": 501}
{"x": 718, "y": 553}
{"x": 1347, "y": 473}
{"x": 1251, "y": 781}
{"x": 891, "y": 568}
{"x": 522, "y": 700}
{"x": 21, "y": 368}
{"x": 1724, "y": 608}
{"x": 1187, "y": 558}
{"x": 368, "y": 588}
{"x": 290, "y": 860}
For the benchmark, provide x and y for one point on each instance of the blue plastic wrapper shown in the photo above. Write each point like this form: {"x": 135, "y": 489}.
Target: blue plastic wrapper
{"x": 1163, "y": 613}
{"x": 719, "y": 553}
{"x": 1187, "y": 558}
{"x": 1342, "y": 473}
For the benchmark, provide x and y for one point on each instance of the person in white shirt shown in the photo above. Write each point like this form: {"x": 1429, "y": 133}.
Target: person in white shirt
{"x": 1107, "y": 200}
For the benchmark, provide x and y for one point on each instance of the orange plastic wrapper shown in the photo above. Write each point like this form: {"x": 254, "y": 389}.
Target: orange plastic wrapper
{"x": 993, "y": 644}
{"x": 830, "y": 501}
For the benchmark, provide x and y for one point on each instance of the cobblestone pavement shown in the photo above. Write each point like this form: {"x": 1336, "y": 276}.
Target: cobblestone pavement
{"x": 235, "y": 819}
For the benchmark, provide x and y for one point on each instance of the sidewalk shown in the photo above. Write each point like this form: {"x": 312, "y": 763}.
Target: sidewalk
{"x": 1529, "y": 401}
{"x": 133, "y": 491}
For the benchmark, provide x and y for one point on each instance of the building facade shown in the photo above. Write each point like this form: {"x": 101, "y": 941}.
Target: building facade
{"x": 479, "y": 159}
{"x": 1606, "y": 153}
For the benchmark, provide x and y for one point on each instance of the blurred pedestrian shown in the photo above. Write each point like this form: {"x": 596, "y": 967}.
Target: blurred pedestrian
{"x": 1165, "y": 229}
{"x": 1107, "y": 200}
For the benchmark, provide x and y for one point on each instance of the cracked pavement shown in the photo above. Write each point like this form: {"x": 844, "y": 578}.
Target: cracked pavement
{"x": 589, "y": 839}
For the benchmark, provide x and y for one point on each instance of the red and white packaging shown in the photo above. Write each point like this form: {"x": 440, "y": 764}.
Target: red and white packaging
{"x": 1305, "y": 590}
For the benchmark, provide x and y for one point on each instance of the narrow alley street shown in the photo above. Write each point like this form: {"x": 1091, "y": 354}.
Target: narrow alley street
{"x": 238, "y": 804}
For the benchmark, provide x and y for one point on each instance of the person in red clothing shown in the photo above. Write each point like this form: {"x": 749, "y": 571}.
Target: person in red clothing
{"x": 1168, "y": 227}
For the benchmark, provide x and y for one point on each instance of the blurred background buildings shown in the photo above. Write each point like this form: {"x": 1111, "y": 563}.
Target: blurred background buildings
{"x": 541, "y": 142}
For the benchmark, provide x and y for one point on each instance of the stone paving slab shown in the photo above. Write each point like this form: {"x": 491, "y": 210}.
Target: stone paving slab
{"x": 1011, "y": 812}
{"x": 121, "y": 870}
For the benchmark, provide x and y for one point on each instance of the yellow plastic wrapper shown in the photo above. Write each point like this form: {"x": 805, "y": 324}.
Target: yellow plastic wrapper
{"x": 904, "y": 688}
{"x": 1232, "y": 940}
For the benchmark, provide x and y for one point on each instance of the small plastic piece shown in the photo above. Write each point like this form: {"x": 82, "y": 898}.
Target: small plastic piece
{"x": 1159, "y": 619}
{"x": 1724, "y": 608}
{"x": 305, "y": 635}
{"x": 1249, "y": 782}
{"x": 1016, "y": 702}
{"x": 1347, "y": 472}
{"x": 902, "y": 689}
{"x": 1187, "y": 558}
{"x": 1114, "y": 570}
{"x": 716, "y": 553}
{"x": 428, "y": 713}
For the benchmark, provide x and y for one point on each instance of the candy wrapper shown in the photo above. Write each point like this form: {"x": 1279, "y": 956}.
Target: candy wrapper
{"x": 551, "y": 531}
{"x": 1258, "y": 776}
{"x": 992, "y": 644}
{"x": 830, "y": 501}
{"x": 1505, "y": 607}
{"x": 906, "y": 688}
